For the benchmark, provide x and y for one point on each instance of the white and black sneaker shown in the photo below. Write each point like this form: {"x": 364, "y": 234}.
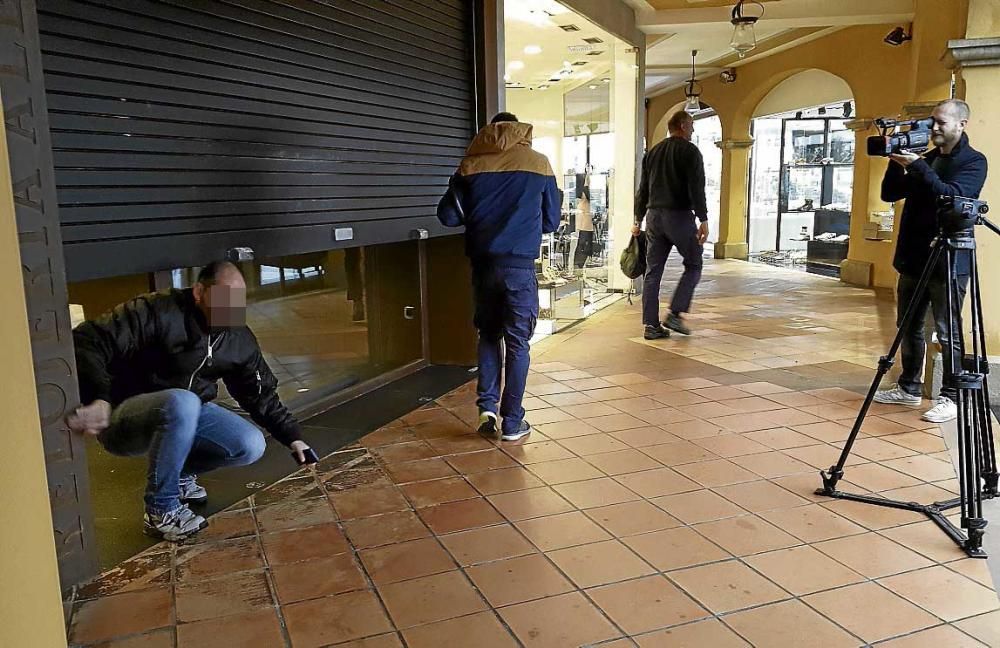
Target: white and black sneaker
{"x": 522, "y": 431}
{"x": 896, "y": 395}
{"x": 191, "y": 491}
{"x": 175, "y": 525}
{"x": 489, "y": 425}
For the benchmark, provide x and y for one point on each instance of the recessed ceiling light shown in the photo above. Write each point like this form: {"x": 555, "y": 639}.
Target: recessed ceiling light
{"x": 506, "y": 77}
{"x": 516, "y": 65}
{"x": 569, "y": 28}
{"x": 592, "y": 86}
{"x": 606, "y": 80}
{"x": 532, "y": 49}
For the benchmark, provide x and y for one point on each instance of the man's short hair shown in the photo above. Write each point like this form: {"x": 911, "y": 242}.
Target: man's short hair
{"x": 504, "y": 117}
{"x": 677, "y": 121}
{"x": 958, "y": 108}
{"x": 209, "y": 274}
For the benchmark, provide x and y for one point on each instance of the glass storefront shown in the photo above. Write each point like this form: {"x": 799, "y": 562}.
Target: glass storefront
{"x": 576, "y": 84}
{"x": 802, "y": 176}
{"x": 325, "y": 321}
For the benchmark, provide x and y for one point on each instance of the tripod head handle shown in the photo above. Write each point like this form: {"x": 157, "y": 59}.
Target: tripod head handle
{"x": 960, "y": 214}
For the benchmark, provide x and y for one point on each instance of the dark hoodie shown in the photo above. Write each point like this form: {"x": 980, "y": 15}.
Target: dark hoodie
{"x": 505, "y": 194}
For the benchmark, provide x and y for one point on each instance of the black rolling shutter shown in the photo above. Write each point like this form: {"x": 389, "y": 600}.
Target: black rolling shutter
{"x": 183, "y": 128}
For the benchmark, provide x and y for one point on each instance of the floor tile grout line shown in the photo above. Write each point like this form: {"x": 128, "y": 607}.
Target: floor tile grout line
{"x": 269, "y": 578}
{"x": 359, "y": 564}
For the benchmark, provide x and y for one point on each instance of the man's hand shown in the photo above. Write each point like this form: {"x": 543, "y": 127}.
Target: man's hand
{"x": 702, "y": 232}
{"x": 635, "y": 230}
{"x": 90, "y": 419}
{"x": 299, "y": 448}
{"x": 904, "y": 159}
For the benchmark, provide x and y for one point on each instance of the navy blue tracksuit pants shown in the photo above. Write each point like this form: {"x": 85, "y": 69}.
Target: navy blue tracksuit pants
{"x": 506, "y": 313}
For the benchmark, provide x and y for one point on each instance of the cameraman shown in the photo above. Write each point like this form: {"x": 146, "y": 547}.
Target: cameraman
{"x": 952, "y": 168}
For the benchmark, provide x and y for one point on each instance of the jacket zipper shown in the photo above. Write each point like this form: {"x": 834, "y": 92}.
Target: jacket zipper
{"x": 260, "y": 384}
{"x": 206, "y": 359}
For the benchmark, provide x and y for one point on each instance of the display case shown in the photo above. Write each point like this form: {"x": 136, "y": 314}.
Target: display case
{"x": 814, "y": 193}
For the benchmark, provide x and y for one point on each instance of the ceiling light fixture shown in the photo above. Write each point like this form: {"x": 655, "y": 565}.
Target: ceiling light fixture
{"x": 693, "y": 90}
{"x": 744, "y": 39}
{"x": 532, "y": 49}
{"x": 516, "y": 65}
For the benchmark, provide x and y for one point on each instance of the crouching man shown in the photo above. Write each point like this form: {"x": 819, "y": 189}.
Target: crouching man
{"x": 148, "y": 373}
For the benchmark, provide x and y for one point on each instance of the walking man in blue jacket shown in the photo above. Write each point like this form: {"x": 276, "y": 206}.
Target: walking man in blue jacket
{"x": 505, "y": 195}
{"x": 951, "y": 168}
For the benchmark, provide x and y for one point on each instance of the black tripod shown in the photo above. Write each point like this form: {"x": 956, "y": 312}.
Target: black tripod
{"x": 967, "y": 374}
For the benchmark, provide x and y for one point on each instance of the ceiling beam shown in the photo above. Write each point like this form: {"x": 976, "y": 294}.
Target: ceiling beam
{"x": 783, "y": 15}
{"x": 764, "y": 49}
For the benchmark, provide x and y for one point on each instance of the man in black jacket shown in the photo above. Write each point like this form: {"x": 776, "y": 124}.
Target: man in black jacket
{"x": 671, "y": 195}
{"x": 148, "y": 372}
{"x": 952, "y": 168}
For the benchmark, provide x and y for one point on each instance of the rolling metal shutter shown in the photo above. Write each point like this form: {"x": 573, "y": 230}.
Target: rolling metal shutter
{"x": 183, "y": 128}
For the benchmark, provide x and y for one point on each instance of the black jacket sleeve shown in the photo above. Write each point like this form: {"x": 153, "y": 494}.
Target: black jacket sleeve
{"x": 968, "y": 180}
{"x": 254, "y": 387}
{"x": 696, "y": 185}
{"x": 894, "y": 183}
{"x": 113, "y": 337}
{"x": 451, "y": 209}
{"x": 642, "y": 195}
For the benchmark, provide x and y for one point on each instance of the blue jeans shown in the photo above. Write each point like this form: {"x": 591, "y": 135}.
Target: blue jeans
{"x": 506, "y": 313}
{"x": 182, "y": 436}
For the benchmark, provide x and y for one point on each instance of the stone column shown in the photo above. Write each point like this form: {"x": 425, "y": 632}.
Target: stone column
{"x": 977, "y": 60}
{"x": 732, "y": 242}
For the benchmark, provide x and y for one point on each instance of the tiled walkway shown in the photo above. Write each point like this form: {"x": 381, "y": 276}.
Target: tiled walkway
{"x": 664, "y": 500}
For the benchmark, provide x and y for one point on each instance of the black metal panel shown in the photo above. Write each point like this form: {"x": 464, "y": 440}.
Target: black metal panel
{"x": 182, "y": 128}
{"x": 23, "y": 91}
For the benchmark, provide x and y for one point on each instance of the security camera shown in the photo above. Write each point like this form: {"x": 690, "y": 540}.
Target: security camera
{"x": 897, "y": 37}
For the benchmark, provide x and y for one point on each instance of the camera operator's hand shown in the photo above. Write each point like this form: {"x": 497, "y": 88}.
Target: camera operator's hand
{"x": 90, "y": 419}
{"x": 905, "y": 159}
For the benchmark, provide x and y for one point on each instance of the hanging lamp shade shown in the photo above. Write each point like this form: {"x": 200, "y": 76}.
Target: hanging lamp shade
{"x": 692, "y": 90}
{"x": 744, "y": 39}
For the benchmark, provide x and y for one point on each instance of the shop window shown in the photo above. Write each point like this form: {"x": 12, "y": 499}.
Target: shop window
{"x": 802, "y": 175}
{"x": 325, "y": 320}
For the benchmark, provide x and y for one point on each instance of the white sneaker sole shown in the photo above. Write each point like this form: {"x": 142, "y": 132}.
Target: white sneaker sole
{"x": 938, "y": 419}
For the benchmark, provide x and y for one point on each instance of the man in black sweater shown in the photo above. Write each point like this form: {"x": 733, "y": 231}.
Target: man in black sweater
{"x": 952, "y": 168}
{"x": 671, "y": 195}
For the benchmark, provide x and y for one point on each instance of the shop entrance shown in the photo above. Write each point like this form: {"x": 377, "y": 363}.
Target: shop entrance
{"x": 576, "y": 84}
{"x": 802, "y": 177}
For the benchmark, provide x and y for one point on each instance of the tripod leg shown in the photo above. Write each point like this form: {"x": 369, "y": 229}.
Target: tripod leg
{"x": 989, "y": 455}
{"x": 836, "y": 472}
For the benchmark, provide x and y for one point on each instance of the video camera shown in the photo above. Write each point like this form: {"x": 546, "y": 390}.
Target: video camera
{"x": 958, "y": 214}
{"x": 890, "y": 140}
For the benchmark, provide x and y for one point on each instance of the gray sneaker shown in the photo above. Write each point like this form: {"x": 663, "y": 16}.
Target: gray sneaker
{"x": 191, "y": 491}
{"x": 175, "y": 525}
{"x": 655, "y": 332}
{"x": 675, "y": 323}
{"x": 522, "y": 431}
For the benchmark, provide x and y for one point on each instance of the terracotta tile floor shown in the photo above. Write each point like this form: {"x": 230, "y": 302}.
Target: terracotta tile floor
{"x": 665, "y": 499}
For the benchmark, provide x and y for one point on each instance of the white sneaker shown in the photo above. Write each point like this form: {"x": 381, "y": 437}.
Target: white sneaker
{"x": 944, "y": 410}
{"x": 896, "y": 395}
